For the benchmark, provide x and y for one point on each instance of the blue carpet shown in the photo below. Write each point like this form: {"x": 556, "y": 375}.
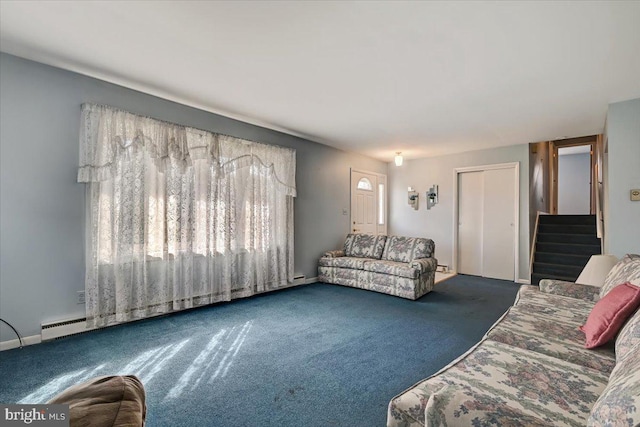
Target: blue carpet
{"x": 314, "y": 355}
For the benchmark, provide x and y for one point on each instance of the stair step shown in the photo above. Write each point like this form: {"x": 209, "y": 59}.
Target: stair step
{"x": 567, "y": 229}
{"x": 568, "y": 219}
{"x": 535, "y": 278}
{"x": 567, "y": 248}
{"x": 583, "y": 239}
{"x": 557, "y": 269}
{"x": 562, "y": 258}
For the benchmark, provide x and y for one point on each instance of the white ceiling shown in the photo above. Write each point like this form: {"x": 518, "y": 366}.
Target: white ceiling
{"x": 424, "y": 78}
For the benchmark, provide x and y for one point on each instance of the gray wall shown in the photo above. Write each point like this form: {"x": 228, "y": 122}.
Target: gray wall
{"x": 437, "y": 223}
{"x": 622, "y": 216}
{"x": 42, "y": 206}
{"x": 574, "y": 184}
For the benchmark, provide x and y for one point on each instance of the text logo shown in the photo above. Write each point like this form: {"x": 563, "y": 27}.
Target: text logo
{"x": 35, "y": 415}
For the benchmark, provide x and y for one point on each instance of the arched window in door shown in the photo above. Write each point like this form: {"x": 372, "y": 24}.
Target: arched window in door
{"x": 365, "y": 184}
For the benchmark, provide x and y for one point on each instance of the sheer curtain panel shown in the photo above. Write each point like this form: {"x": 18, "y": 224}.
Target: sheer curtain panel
{"x": 178, "y": 217}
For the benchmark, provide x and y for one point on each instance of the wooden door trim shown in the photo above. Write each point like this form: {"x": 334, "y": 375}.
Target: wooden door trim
{"x": 592, "y": 142}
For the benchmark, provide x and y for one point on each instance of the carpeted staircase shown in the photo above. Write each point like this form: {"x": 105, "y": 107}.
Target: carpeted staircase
{"x": 564, "y": 245}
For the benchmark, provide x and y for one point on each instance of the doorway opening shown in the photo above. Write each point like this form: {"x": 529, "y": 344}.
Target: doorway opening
{"x": 574, "y": 180}
{"x": 573, "y": 170}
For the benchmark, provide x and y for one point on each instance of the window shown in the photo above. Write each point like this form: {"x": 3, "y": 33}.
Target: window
{"x": 180, "y": 217}
{"x": 381, "y": 204}
{"x": 365, "y": 184}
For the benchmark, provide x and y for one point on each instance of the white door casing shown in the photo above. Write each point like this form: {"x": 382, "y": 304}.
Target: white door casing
{"x": 486, "y": 215}
{"x": 368, "y": 203}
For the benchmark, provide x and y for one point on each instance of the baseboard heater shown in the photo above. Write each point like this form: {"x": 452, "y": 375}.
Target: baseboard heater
{"x": 299, "y": 280}
{"x": 65, "y": 328}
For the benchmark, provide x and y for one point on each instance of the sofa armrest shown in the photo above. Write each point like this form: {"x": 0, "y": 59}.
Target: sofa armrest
{"x": 106, "y": 401}
{"x": 458, "y": 405}
{"x": 334, "y": 254}
{"x": 424, "y": 264}
{"x": 570, "y": 289}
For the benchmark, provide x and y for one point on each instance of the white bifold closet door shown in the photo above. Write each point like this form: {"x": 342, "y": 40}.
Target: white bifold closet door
{"x": 486, "y": 223}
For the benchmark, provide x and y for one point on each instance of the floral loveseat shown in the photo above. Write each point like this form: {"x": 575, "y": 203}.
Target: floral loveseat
{"x": 531, "y": 368}
{"x": 395, "y": 265}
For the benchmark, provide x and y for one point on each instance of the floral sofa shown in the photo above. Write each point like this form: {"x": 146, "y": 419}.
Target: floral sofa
{"x": 532, "y": 369}
{"x": 395, "y": 265}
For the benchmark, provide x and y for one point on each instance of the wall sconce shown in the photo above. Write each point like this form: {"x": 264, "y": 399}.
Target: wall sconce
{"x": 398, "y": 159}
{"x": 413, "y": 198}
{"x": 432, "y": 196}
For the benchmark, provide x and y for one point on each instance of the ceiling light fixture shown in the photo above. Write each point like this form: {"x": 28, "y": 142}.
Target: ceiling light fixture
{"x": 398, "y": 159}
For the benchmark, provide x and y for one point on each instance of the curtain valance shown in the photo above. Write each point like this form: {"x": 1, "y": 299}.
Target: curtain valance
{"x": 108, "y": 134}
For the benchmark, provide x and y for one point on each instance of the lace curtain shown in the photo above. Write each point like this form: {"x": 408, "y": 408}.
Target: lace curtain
{"x": 179, "y": 217}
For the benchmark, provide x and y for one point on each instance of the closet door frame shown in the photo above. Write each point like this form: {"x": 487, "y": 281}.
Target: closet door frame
{"x": 516, "y": 229}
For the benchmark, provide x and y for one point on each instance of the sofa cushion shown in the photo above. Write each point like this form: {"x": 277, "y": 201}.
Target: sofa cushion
{"x": 406, "y": 249}
{"x": 610, "y": 313}
{"x": 343, "y": 262}
{"x": 364, "y": 245}
{"x": 619, "y": 403}
{"x": 628, "y": 337}
{"x": 570, "y": 289}
{"x": 393, "y": 268}
{"x": 626, "y": 270}
{"x": 470, "y": 406}
{"x": 571, "y": 310}
{"x": 552, "y": 337}
{"x": 542, "y": 386}
{"x": 105, "y": 401}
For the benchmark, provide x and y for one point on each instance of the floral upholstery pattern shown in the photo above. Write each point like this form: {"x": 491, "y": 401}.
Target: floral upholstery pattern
{"x": 558, "y": 301}
{"x": 577, "y": 318}
{"x": 343, "y": 262}
{"x": 468, "y": 405}
{"x": 399, "y": 286}
{"x": 619, "y": 404}
{"x": 406, "y": 249}
{"x": 553, "y": 337}
{"x": 333, "y": 254}
{"x": 401, "y": 269}
{"x": 570, "y": 289}
{"x": 364, "y": 245}
{"x": 540, "y": 386}
{"x": 531, "y": 369}
{"x": 628, "y": 337}
{"x": 356, "y": 266}
{"x": 599, "y": 359}
{"x": 425, "y": 264}
{"x": 542, "y": 327}
{"x": 626, "y": 270}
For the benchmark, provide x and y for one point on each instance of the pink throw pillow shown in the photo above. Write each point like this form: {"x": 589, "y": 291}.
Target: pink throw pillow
{"x": 610, "y": 313}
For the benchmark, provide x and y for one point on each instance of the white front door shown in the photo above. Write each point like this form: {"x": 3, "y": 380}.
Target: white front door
{"x": 364, "y": 198}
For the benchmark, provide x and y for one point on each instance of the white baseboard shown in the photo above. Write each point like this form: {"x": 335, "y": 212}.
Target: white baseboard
{"x": 311, "y": 280}
{"x": 30, "y": 340}
{"x": 523, "y": 281}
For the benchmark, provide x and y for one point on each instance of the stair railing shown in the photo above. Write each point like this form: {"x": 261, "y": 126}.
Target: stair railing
{"x": 597, "y": 176}
{"x": 533, "y": 241}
